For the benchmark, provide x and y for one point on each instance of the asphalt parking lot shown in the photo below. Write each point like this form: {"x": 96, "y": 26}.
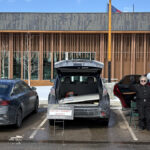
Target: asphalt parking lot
{"x": 36, "y": 129}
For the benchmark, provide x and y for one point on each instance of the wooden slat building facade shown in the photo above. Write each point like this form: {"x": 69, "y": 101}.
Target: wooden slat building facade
{"x": 42, "y": 35}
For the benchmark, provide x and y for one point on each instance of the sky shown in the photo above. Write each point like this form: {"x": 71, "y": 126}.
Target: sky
{"x": 72, "y": 5}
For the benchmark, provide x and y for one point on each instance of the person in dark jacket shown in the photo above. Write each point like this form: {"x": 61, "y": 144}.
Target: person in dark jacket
{"x": 143, "y": 102}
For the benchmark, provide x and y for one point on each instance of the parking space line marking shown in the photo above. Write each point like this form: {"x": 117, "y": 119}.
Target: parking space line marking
{"x": 35, "y": 131}
{"x": 129, "y": 128}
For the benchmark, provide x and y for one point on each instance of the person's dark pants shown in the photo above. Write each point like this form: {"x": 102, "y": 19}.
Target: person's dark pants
{"x": 144, "y": 115}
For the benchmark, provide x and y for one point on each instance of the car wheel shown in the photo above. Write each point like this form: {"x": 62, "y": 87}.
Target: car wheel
{"x": 18, "y": 119}
{"x": 36, "y": 107}
{"x": 51, "y": 122}
{"x": 106, "y": 122}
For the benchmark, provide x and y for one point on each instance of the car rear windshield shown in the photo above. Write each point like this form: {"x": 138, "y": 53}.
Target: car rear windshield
{"x": 78, "y": 79}
{"x": 4, "y": 89}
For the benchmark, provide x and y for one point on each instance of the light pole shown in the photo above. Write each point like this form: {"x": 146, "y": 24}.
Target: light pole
{"x": 109, "y": 43}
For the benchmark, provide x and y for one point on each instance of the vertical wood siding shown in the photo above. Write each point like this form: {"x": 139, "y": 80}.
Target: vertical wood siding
{"x": 130, "y": 52}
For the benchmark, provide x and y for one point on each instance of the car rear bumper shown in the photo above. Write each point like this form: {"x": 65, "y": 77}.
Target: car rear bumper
{"x": 71, "y": 111}
{"x": 90, "y": 112}
{"x": 5, "y": 116}
{"x": 4, "y": 120}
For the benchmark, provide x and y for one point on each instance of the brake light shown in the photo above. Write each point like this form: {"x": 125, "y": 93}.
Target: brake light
{"x": 4, "y": 103}
{"x": 103, "y": 114}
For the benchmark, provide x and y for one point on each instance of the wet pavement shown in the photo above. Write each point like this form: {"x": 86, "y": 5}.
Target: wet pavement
{"x": 36, "y": 133}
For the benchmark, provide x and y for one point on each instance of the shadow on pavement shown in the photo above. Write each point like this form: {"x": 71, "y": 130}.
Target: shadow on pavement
{"x": 27, "y": 121}
{"x": 91, "y": 123}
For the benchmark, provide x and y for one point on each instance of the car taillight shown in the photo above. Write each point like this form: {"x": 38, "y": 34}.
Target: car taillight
{"x": 4, "y": 103}
{"x": 103, "y": 114}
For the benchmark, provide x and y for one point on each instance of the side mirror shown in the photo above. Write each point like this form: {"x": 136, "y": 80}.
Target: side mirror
{"x": 12, "y": 94}
{"x": 33, "y": 88}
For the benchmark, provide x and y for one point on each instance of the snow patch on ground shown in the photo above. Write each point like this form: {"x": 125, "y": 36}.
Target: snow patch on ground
{"x": 43, "y": 92}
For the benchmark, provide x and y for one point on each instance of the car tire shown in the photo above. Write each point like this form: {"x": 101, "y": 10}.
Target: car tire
{"x": 36, "y": 107}
{"x": 51, "y": 122}
{"x": 106, "y": 122}
{"x": 18, "y": 119}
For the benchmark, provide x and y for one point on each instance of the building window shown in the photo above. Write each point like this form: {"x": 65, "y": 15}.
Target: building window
{"x": 16, "y": 65}
{"x": 81, "y": 55}
{"x": 4, "y": 64}
{"x": 56, "y": 58}
{"x": 93, "y": 57}
{"x": 25, "y": 65}
{"x": 46, "y": 65}
{"x": 34, "y": 65}
{"x": 64, "y": 56}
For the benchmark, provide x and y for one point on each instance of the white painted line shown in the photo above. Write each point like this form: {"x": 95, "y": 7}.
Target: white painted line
{"x": 39, "y": 127}
{"x": 128, "y": 127}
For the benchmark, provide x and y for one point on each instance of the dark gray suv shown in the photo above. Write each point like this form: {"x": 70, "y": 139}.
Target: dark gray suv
{"x": 78, "y": 91}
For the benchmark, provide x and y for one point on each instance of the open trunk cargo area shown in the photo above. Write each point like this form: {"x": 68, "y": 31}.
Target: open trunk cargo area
{"x": 85, "y": 88}
{"x": 79, "y": 92}
{"x": 82, "y": 99}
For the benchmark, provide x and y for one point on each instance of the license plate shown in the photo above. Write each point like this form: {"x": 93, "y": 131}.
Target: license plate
{"x": 60, "y": 112}
{"x": 56, "y": 111}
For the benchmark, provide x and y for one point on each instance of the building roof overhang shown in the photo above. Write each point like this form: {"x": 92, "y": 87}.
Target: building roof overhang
{"x": 74, "y": 22}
